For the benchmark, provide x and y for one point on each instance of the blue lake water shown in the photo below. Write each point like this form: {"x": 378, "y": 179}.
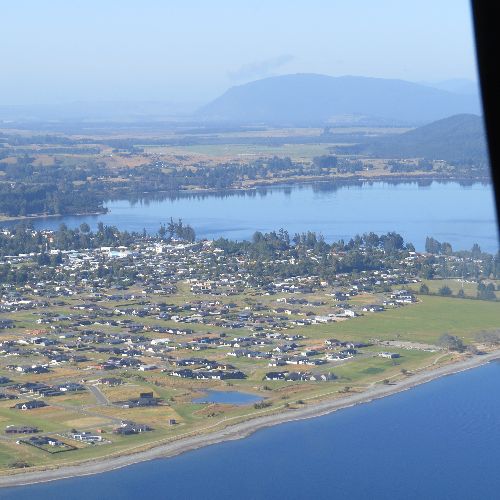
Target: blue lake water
{"x": 461, "y": 215}
{"x": 437, "y": 441}
{"x": 228, "y": 397}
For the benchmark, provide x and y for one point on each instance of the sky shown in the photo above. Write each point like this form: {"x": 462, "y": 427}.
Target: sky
{"x": 56, "y": 51}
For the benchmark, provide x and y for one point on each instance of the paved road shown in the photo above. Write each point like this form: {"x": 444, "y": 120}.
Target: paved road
{"x": 99, "y": 396}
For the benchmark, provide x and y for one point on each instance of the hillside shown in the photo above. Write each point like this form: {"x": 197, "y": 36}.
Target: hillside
{"x": 456, "y": 138}
{"x": 309, "y": 99}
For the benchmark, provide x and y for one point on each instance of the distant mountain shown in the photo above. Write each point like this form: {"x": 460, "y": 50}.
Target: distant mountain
{"x": 456, "y": 138}
{"x": 310, "y": 99}
{"x": 461, "y": 86}
{"x": 131, "y": 111}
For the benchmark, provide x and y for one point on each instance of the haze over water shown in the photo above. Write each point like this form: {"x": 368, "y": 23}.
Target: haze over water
{"x": 460, "y": 215}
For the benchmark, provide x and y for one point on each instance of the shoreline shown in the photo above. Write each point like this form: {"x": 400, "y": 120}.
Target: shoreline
{"x": 245, "y": 428}
{"x": 308, "y": 181}
{"x": 261, "y": 184}
{"x": 21, "y": 218}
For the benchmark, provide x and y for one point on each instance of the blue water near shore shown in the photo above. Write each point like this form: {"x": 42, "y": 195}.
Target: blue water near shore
{"x": 437, "y": 441}
{"x": 228, "y": 397}
{"x": 459, "y": 214}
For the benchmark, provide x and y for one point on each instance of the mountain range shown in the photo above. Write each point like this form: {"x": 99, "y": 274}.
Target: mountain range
{"x": 311, "y": 99}
{"x": 456, "y": 138}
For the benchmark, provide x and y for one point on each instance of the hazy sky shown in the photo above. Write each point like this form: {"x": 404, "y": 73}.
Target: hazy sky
{"x": 192, "y": 50}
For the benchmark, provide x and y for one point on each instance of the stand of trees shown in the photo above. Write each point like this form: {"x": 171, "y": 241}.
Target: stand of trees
{"x": 23, "y": 239}
{"x": 32, "y": 189}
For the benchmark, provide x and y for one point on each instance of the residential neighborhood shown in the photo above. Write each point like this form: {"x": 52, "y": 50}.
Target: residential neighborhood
{"x": 110, "y": 343}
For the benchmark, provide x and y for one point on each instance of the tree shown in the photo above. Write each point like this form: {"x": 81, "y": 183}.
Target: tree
{"x": 19, "y": 464}
{"x": 43, "y": 259}
{"x": 392, "y": 242}
{"x": 486, "y": 292}
{"x": 432, "y": 245}
{"x": 446, "y": 248}
{"x": 451, "y": 342}
{"x": 162, "y": 231}
{"x": 56, "y": 259}
{"x": 445, "y": 291}
{"x": 325, "y": 161}
{"x": 489, "y": 337}
{"x": 476, "y": 251}
{"x": 424, "y": 289}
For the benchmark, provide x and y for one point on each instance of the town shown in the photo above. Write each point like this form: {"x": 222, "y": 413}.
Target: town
{"x": 109, "y": 339}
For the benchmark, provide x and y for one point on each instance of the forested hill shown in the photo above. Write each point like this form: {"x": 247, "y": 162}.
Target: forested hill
{"x": 458, "y": 138}
{"x": 310, "y": 99}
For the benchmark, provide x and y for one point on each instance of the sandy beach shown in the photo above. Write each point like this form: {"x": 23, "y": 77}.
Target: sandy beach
{"x": 243, "y": 429}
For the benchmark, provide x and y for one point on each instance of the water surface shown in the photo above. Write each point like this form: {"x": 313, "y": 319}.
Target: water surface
{"x": 461, "y": 215}
{"x": 228, "y": 397}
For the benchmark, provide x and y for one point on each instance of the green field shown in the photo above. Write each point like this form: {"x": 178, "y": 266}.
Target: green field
{"x": 455, "y": 285}
{"x": 425, "y": 321}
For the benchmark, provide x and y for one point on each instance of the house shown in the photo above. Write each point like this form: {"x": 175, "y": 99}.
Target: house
{"x": 144, "y": 399}
{"x": 86, "y": 437}
{"x": 183, "y": 373}
{"x": 4, "y": 395}
{"x": 403, "y": 297}
{"x": 6, "y": 323}
{"x": 127, "y": 427}
{"x": 21, "y": 429}
{"x": 322, "y": 319}
{"x": 30, "y": 405}
{"x": 111, "y": 381}
{"x": 389, "y": 355}
{"x": 333, "y": 342}
{"x": 37, "y": 369}
{"x": 275, "y": 376}
{"x": 373, "y": 308}
{"x": 147, "y": 368}
{"x": 347, "y": 313}
{"x": 340, "y": 296}
{"x": 71, "y": 387}
{"x": 39, "y": 441}
{"x": 322, "y": 377}
{"x": 277, "y": 362}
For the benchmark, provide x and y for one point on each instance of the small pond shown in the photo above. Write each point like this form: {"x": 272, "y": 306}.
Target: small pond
{"x": 228, "y": 397}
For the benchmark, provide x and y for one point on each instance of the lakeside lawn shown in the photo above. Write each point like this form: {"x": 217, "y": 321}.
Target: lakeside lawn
{"x": 424, "y": 322}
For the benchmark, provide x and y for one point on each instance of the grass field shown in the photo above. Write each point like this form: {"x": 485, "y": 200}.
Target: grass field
{"x": 425, "y": 321}
{"x": 455, "y": 285}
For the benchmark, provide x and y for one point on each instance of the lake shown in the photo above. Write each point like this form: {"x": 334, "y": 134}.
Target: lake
{"x": 461, "y": 215}
{"x": 228, "y": 397}
{"x": 440, "y": 440}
